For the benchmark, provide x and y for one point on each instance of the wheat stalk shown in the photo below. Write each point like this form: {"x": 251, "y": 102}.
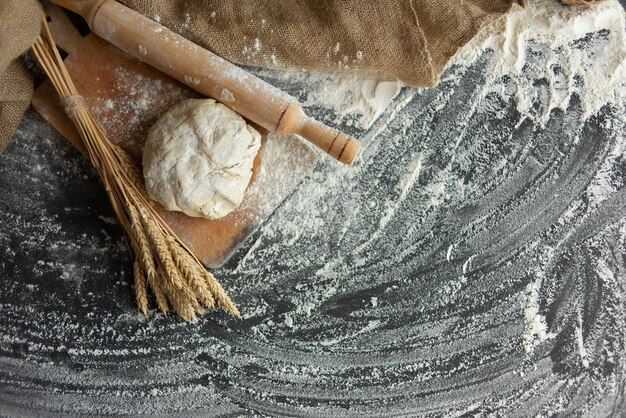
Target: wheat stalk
{"x": 162, "y": 262}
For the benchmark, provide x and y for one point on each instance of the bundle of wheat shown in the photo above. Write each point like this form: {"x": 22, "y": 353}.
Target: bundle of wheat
{"x": 162, "y": 262}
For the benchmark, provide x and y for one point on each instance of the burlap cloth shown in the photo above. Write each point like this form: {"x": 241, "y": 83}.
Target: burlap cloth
{"x": 406, "y": 39}
{"x": 19, "y": 27}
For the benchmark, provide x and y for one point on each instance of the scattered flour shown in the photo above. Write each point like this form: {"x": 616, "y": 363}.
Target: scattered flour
{"x": 536, "y": 328}
{"x": 580, "y": 342}
{"x": 353, "y": 93}
{"x": 350, "y": 98}
{"x": 595, "y": 75}
{"x": 382, "y": 318}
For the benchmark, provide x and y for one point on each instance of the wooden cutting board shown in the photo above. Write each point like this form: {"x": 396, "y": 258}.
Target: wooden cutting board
{"x": 127, "y": 96}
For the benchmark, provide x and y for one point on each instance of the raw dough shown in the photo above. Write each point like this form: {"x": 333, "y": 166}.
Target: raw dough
{"x": 198, "y": 158}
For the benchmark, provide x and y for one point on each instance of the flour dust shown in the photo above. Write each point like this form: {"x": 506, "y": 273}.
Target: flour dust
{"x": 471, "y": 262}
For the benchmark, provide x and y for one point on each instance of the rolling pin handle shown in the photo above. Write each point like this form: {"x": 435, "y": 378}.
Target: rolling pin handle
{"x": 335, "y": 143}
{"x": 338, "y": 145}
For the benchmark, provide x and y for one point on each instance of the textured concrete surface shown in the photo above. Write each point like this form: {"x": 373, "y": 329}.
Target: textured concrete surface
{"x": 477, "y": 266}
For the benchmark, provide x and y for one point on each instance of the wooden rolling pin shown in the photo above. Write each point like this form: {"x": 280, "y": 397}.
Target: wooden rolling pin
{"x": 209, "y": 74}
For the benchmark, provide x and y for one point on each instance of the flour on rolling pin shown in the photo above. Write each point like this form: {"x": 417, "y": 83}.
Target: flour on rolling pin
{"x": 226, "y": 96}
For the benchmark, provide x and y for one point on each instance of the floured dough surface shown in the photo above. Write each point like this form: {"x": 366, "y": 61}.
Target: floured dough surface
{"x": 198, "y": 158}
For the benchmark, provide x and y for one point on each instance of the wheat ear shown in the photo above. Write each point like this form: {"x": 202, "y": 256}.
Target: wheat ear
{"x": 161, "y": 261}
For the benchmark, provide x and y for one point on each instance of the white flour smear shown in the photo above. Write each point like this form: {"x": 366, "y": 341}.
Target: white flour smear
{"x": 539, "y": 58}
{"x": 349, "y": 93}
{"x": 351, "y": 99}
{"x": 470, "y": 263}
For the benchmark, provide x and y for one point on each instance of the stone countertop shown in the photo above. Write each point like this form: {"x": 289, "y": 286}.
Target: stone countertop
{"x": 476, "y": 267}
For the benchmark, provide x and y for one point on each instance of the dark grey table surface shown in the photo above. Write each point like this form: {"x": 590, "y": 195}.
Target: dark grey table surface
{"x": 476, "y": 266}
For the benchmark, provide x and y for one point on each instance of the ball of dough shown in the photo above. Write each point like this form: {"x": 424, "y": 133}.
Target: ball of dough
{"x": 198, "y": 158}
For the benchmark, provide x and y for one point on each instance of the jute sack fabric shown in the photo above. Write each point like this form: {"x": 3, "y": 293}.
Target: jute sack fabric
{"x": 19, "y": 27}
{"x": 410, "y": 40}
